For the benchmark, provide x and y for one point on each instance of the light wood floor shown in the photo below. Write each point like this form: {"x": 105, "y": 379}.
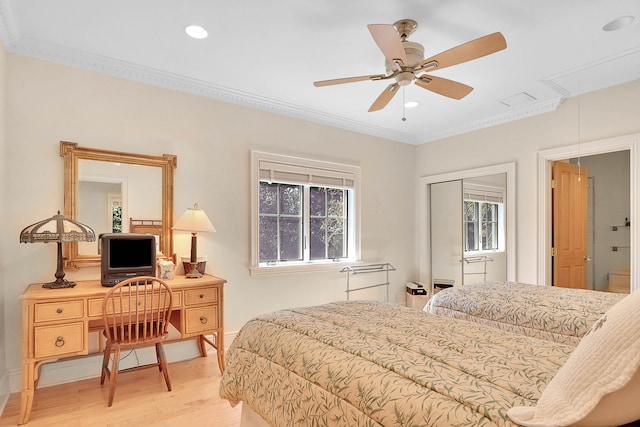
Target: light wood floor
{"x": 141, "y": 399}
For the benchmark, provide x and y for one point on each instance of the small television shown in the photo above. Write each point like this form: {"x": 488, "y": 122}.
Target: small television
{"x": 126, "y": 255}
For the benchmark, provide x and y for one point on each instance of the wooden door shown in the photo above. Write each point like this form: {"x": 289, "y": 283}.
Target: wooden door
{"x": 569, "y": 225}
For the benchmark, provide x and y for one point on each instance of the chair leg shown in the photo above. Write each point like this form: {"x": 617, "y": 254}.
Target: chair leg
{"x": 158, "y": 349}
{"x": 105, "y": 361}
{"x": 114, "y": 374}
{"x": 162, "y": 363}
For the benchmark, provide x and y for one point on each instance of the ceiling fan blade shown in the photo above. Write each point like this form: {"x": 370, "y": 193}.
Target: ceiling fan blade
{"x": 347, "y": 80}
{"x": 388, "y": 40}
{"x": 467, "y": 51}
{"x": 384, "y": 97}
{"x": 444, "y": 87}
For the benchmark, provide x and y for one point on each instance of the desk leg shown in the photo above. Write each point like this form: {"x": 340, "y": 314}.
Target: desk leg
{"x": 28, "y": 390}
{"x": 201, "y": 345}
{"x": 220, "y": 351}
{"x": 218, "y": 345}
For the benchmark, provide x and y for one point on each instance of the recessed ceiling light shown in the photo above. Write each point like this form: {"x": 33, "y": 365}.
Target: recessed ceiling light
{"x": 411, "y": 104}
{"x": 618, "y": 23}
{"x": 196, "y": 31}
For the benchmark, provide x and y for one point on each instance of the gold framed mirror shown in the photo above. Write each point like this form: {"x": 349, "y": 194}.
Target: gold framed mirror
{"x": 132, "y": 192}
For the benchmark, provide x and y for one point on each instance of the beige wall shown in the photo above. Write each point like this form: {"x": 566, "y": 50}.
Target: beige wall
{"x": 4, "y": 230}
{"x": 603, "y": 114}
{"x": 48, "y": 103}
{"x": 45, "y": 103}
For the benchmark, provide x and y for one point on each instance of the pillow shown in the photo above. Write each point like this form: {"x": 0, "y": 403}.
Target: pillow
{"x": 599, "y": 385}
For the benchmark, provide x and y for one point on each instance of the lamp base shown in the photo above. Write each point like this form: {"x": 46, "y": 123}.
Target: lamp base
{"x": 59, "y": 284}
{"x": 193, "y": 271}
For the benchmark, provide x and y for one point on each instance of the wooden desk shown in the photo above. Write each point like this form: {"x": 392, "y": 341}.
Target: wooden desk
{"x": 56, "y": 323}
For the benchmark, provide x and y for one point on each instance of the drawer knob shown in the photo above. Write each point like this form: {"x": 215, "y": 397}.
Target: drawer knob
{"x": 59, "y": 311}
{"x": 59, "y": 342}
{"x": 201, "y": 296}
{"x": 203, "y": 320}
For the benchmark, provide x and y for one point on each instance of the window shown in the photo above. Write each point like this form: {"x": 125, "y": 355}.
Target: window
{"x": 483, "y": 219}
{"x": 480, "y": 226}
{"x": 304, "y": 213}
{"x": 115, "y": 204}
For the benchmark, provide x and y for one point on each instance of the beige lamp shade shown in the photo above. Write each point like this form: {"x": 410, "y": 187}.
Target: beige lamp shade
{"x": 195, "y": 221}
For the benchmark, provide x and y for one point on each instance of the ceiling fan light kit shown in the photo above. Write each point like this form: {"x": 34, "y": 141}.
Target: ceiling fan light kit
{"x": 404, "y": 60}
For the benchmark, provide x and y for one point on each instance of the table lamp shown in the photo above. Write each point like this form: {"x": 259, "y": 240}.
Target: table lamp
{"x": 57, "y": 229}
{"x": 194, "y": 220}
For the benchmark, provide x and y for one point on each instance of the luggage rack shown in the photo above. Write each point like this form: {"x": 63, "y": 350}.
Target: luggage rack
{"x": 477, "y": 259}
{"x": 367, "y": 269}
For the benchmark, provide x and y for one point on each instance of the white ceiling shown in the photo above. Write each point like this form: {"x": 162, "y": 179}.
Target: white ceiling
{"x": 267, "y": 54}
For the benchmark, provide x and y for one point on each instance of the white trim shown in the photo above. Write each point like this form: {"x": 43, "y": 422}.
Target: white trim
{"x": 339, "y": 169}
{"x": 299, "y": 268}
{"x": 424, "y": 249}
{"x": 82, "y": 368}
{"x": 5, "y": 390}
{"x": 545, "y": 157}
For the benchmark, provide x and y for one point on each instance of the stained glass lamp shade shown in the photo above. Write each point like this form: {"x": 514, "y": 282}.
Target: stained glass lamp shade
{"x": 57, "y": 229}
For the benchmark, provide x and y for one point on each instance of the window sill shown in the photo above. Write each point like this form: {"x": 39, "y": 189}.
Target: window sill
{"x": 299, "y": 268}
{"x": 487, "y": 252}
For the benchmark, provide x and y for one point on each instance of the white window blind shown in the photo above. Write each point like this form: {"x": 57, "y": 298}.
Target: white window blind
{"x": 308, "y": 175}
{"x": 270, "y": 168}
{"x": 481, "y": 193}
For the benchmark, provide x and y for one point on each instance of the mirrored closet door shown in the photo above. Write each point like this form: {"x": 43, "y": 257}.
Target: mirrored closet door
{"x": 469, "y": 226}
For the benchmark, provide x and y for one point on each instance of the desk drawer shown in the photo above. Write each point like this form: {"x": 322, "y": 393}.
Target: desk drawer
{"x": 201, "y": 319}
{"x": 56, "y": 340}
{"x": 200, "y": 296}
{"x": 95, "y": 304}
{"x": 63, "y": 310}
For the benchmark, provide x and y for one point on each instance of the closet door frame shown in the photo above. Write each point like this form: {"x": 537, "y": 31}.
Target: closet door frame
{"x": 424, "y": 208}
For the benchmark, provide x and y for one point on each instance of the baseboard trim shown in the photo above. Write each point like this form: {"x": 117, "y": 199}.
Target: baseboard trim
{"x": 5, "y": 390}
{"x": 85, "y": 367}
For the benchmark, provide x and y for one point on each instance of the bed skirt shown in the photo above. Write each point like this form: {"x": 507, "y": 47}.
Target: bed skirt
{"x": 249, "y": 418}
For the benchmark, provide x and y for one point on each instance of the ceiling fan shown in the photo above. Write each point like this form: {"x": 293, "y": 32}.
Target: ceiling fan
{"x": 405, "y": 59}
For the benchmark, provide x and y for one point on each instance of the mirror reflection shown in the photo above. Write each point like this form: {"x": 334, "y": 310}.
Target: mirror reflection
{"x": 468, "y": 230}
{"x": 117, "y": 192}
{"x": 113, "y": 195}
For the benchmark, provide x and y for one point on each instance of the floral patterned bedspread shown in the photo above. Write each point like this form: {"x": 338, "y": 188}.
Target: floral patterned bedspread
{"x": 551, "y": 313}
{"x": 364, "y": 363}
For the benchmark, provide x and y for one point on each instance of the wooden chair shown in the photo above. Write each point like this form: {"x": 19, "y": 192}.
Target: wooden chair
{"x": 136, "y": 313}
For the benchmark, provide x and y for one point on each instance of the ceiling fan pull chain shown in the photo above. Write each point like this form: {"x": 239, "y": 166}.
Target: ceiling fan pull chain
{"x": 404, "y": 117}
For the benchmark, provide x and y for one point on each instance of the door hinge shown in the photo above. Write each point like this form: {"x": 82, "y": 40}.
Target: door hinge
{"x": 553, "y": 252}
{"x": 554, "y": 183}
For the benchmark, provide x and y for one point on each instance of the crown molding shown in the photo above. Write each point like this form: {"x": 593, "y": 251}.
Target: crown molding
{"x": 8, "y": 29}
{"x": 14, "y": 43}
{"x": 130, "y": 71}
{"x": 512, "y": 115}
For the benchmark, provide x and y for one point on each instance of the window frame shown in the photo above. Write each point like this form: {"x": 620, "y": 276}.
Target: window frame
{"x": 479, "y": 225}
{"x": 312, "y": 168}
{"x": 485, "y": 194}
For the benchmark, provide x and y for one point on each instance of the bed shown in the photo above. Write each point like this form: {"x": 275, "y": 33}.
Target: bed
{"x": 369, "y": 364}
{"x": 557, "y": 314}
{"x": 376, "y": 364}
